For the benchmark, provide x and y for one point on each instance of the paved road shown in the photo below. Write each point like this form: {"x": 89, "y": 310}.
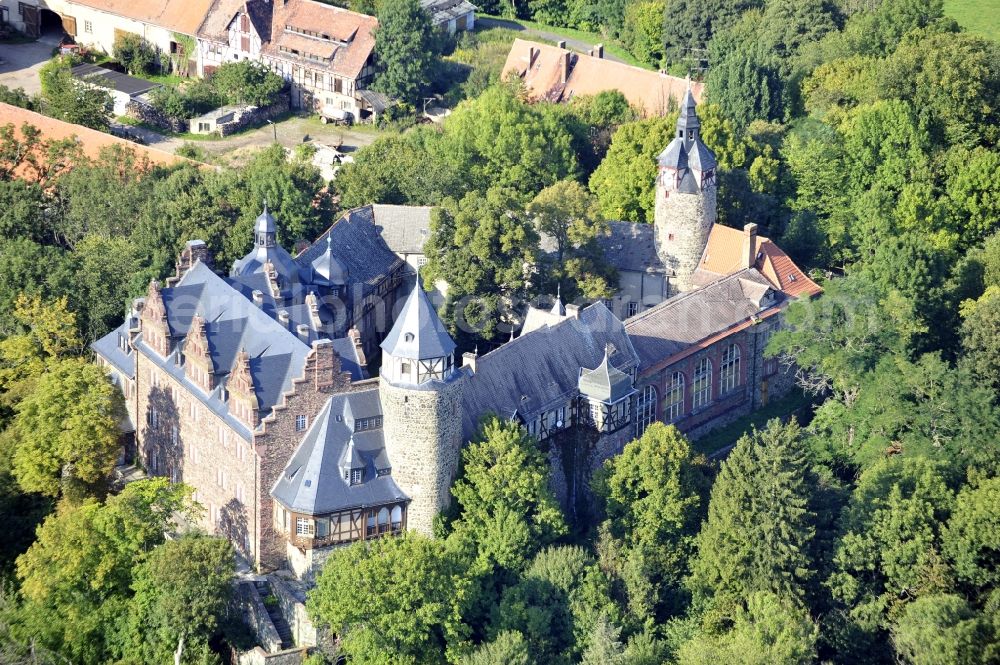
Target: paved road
{"x": 574, "y": 44}
{"x": 19, "y": 65}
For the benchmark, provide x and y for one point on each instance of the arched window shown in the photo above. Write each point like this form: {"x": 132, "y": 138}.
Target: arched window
{"x": 729, "y": 373}
{"x": 396, "y": 518}
{"x": 383, "y": 520}
{"x": 645, "y": 409}
{"x": 701, "y": 387}
{"x": 673, "y": 405}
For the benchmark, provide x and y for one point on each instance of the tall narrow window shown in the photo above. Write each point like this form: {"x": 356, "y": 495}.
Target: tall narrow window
{"x": 645, "y": 411}
{"x": 702, "y": 384}
{"x": 673, "y": 405}
{"x": 729, "y": 373}
{"x": 300, "y": 423}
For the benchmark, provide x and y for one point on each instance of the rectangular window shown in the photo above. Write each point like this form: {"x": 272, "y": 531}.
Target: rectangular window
{"x": 303, "y": 526}
{"x": 357, "y": 475}
{"x": 300, "y": 423}
{"x": 173, "y": 435}
{"x": 338, "y": 84}
{"x": 88, "y": 27}
{"x": 633, "y": 308}
{"x": 322, "y": 527}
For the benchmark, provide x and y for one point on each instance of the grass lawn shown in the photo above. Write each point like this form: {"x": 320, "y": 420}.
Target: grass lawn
{"x": 728, "y": 435}
{"x": 579, "y": 35}
{"x": 979, "y": 16}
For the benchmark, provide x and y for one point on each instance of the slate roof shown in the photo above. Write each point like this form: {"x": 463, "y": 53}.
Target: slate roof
{"x": 682, "y": 321}
{"x": 358, "y": 247}
{"x": 109, "y": 347}
{"x": 313, "y": 480}
{"x": 539, "y": 370}
{"x": 630, "y": 246}
{"x": 418, "y": 332}
{"x": 231, "y": 324}
{"x": 604, "y": 382}
{"x": 404, "y": 228}
{"x": 540, "y": 66}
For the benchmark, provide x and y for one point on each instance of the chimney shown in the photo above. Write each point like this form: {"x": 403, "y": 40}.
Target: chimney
{"x": 284, "y": 317}
{"x": 561, "y": 44}
{"x": 258, "y": 298}
{"x": 750, "y": 245}
{"x": 194, "y": 251}
{"x": 566, "y": 66}
{"x": 303, "y": 332}
{"x": 599, "y": 50}
{"x": 469, "y": 360}
{"x": 573, "y": 311}
{"x": 355, "y": 336}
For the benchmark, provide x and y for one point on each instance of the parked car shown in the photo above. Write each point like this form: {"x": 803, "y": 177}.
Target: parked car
{"x": 328, "y": 114}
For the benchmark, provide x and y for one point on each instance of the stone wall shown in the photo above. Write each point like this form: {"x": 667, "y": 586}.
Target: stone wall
{"x": 258, "y": 656}
{"x": 251, "y": 608}
{"x": 276, "y": 442}
{"x": 190, "y": 443}
{"x": 681, "y": 228}
{"x": 423, "y": 439}
{"x": 254, "y": 116}
{"x": 293, "y": 607}
{"x": 146, "y": 113}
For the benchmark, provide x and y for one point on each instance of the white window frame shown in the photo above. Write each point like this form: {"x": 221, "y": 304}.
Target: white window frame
{"x": 701, "y": 385}
{"x": 645, "y": 410}
{"x": 301, "y": 423}
{"x": 673, "y": 402}
{"x": 729, "y": 370}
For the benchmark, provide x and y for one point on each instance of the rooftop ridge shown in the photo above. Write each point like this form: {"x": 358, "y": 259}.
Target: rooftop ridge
{"x": 681, "y": 297}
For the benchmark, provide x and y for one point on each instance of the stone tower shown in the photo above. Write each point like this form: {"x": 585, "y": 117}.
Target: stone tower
{"x": 685, "y": 198}
{"x": 421, "y": 392}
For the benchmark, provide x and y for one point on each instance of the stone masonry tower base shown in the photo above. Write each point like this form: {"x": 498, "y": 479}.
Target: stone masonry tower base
{"x": 423, "y": 439}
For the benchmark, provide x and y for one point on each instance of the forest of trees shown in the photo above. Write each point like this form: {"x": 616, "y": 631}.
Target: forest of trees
{"x": 861, "y": 137}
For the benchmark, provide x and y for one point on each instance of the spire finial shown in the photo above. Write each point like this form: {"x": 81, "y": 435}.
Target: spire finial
{"x": 265, "y": 205}
{"x": 511, "y": 333}
{"x": 559, "y": 290}
{"x": 329, "y": 240}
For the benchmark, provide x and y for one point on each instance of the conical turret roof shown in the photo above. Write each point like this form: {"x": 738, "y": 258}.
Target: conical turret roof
{"x": 418, "y": 333}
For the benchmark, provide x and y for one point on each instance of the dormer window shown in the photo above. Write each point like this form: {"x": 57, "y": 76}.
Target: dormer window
{"x": 300, "y": 423}
{"x": 357, "y": 475}
{"x": 408, "y": 337}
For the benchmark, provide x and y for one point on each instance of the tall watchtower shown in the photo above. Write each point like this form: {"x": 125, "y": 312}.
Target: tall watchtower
{"x": 685, "y": 197}
{"x": 421, "y": 392}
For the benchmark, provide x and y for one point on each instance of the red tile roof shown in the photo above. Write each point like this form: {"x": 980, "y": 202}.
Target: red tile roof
{"x": 724, "y": 254}
{"x": 178, "y": 15}
{"x": 541, "y": 67}
{"x": 90, "y": 141}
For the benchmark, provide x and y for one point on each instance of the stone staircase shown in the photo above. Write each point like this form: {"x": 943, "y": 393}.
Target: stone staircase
{"x": 274, "y": 613}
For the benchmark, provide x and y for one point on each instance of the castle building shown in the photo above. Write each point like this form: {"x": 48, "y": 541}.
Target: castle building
{"x": 257, "y": 387}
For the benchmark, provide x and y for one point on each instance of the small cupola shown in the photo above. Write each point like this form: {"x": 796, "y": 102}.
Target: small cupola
{"x": 327, "y": 270}
{"x": 608, "y": 390}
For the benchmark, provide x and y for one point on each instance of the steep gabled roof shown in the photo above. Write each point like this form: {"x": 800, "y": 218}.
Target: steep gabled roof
{"x": 182, "y": 16}
{"x": 539, "y": 370}
{"x": 724, "y": 253}
{"x": 313, "y": 479}
{"x": 631, "y": 246}
{"x": 541, "y": 67}
{"x": 418, "y": 332}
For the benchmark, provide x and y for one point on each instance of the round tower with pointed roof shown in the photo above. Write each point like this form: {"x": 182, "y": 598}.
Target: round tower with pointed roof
{"x": 421, "y": 392}
{"x": 685, "y": 197}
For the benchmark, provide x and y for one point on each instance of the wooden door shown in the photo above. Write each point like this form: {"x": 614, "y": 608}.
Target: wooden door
{"x": 69, "y": 25}
{"x": 32, "y": 20}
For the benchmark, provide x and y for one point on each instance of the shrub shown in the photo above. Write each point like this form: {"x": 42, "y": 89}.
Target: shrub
{"x": 246, "y": 82}
{"x": 135, "y": 54}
